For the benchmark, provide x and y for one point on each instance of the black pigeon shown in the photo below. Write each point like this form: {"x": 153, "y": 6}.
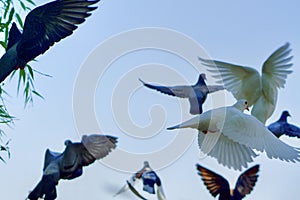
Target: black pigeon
{"x": 44, "y": 26}
{"x": 69, "y": 164}
{"x": 217, "y": 185}
{"x": 282, "y": 127}
{"x": 195, "y": 93}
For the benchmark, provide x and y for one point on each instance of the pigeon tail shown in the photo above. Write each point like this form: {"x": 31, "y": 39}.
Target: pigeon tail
{"x": 45, "y": 187}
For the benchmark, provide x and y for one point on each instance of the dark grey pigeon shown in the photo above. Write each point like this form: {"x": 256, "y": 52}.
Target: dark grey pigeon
{"x": 69, "y": 164}
{"x": 218, "y": 185}
{"x": 282, "y": 127}
{"x": 44, "y": 26}
{"x": 195, "y": 93}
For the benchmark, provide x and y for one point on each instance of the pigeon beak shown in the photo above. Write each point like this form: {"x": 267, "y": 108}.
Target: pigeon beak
{"x": 247, "y": 108}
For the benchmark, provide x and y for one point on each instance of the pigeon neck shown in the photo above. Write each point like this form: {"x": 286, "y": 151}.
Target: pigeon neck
{"x": 283, "y": 117}
{"x": 200, "y": 81}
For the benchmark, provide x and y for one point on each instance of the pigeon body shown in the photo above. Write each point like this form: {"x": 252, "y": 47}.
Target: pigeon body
{"x": 44, "y": 26}
{"x": 69, "y": 164}
{"x": 196, "y": 94}
{"x": 230, "y": 136}
{"x": 150, "y": 180}
{"x": 282, "y": 127}
{"x": 261, "y": 91}
{"x": 218, "y": 185}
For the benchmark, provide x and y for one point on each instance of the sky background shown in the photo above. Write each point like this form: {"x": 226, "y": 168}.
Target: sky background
{"x": 239, "y": 32}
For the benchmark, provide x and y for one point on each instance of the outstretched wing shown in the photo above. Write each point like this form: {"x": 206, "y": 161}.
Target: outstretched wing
{"x": 246, "y": 182}
{"x": 49, "y": 157}
{"x": 178, "y": 91}
{"x": 92, "y": 147}
{"x": 291, "y": 130}
{"x": 131, "y": 187}
{"x": 255, "y": 135}
{"x": 275, "y": 70}
{"x": 50, "y": 23}
{"x": 242, "y": 82}
{"x": 215, "y": 183}
{"x": 215, "y": 88}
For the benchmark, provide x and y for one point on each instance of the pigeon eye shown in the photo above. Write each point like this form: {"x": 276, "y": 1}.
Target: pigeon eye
{"x": 246, "y": 102}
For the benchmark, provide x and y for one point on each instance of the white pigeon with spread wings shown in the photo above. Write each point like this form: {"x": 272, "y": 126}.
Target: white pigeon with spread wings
{"x": 229, "y": 135}
{"x": 246, "y": 83}
{"x": 150, "y": 181}
{"x": 196, "y": 94}
{"x": 69, "y": 164}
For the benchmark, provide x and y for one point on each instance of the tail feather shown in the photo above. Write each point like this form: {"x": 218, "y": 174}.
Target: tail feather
{"x": 46, "y": 187}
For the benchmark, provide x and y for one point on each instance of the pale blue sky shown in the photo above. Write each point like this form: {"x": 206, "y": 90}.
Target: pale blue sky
{"x": 235, "y": 31}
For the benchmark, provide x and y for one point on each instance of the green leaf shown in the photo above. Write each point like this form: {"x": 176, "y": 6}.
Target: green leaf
{"x": 19, "y": 20}
{"x": 37, "y": 94}
{"x": 23, "y": 5}
{"x": 6, "y": 9}
{"x": 31, "y": 2}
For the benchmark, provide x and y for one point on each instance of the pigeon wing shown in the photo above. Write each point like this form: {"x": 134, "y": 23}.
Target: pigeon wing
{"x": 131, "y": 187}
{"x": 275, "y": 71}
{"x": 246, "y": 182}
{"x": 178, "y": 91}
{"x": 50, "y": 23}
{"x": 215, "y": 183}
{"x": 247, "y": 130}
{"x": 242, "y": 82}
{"x": 291, "y": 130}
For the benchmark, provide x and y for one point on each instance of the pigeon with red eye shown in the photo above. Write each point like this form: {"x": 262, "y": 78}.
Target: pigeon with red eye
{"x": 243, "y": 82}
{"x": 149, "y": 179}
{"x": 282, "y": 127}
{"x": 43, "y": 27}
{"x": 196, "y": 94}
{"x": 69, "y": 164}
{"x": 218, "y": 185}
{"x": 230, "y": 136}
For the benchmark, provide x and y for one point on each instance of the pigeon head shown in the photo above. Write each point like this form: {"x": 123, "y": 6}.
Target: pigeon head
{"x": 146, "y": 164}
{"x": 203, "y": 76}
{"x": 67, "y": 142}
{"x": 284, "y": 116}
{"x": 241, "y": 105}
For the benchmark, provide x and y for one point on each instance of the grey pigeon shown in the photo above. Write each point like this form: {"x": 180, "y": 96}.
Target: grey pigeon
{"x": 44, "y": 26}
{"x": 218, "y": 185}
{"x": 149, "y": 178}
{"x": 282, "y": 127}
{"x": 69, "y": 164}
{"x": 195, "y": 93}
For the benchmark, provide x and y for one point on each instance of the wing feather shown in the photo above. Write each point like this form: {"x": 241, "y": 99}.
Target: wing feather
{"x": 50, "y": 23}
{"x": 247, "y": 130}
{"x": 246, "y": 181}
{"x": 214, "y": 182}
{"x": 241, "y": 81}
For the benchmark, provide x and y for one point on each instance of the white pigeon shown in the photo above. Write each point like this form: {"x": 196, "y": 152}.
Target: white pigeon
{"x": 149, "y": 178}
{"x": 230, "y": 136}
{"x": 246, "y": 83}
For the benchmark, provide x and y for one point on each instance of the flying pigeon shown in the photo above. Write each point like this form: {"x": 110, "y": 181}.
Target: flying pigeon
{"x": 44, "y": 26}
{"x": 69, "y": 164}
{"x": 282, "y": 127}
{"x": 218, "y": 185}
{"x": 246, "y": 83}
{"x": 195, "y": 93}
{"x": 149, "y": 178}
{"x": 230, "y": 136}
